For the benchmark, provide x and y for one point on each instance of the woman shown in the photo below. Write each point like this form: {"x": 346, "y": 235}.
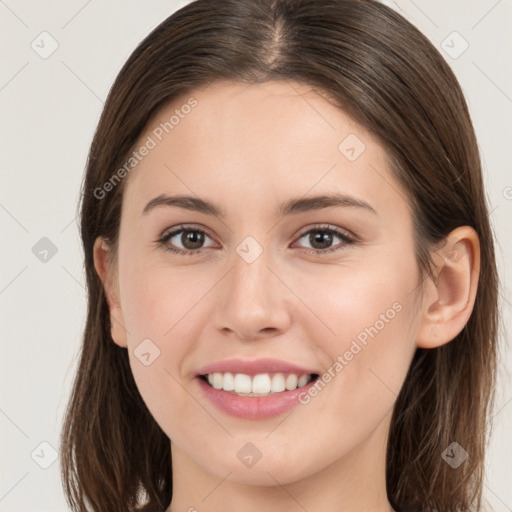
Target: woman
{"x": 291, "y": 274}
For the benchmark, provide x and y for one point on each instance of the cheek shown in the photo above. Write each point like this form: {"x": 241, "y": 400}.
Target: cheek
{"x": 157, "y": 308}
{"x": 169, "y": 307}
{"x": 371, "y": 314}
{"x": 368, "y": 347}
{"x": 365, "y": 312}
{"x": 158, "y": 301}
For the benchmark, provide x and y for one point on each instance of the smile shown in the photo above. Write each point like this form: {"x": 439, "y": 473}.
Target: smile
{"x": 262, "y": 384}
{"x": 257, "y": 389}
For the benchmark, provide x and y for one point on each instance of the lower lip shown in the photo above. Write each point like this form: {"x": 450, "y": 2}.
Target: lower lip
{"x": 253, "y": 407}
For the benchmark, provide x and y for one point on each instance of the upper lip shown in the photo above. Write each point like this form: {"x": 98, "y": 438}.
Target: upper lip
{"x": 254, "y": 367}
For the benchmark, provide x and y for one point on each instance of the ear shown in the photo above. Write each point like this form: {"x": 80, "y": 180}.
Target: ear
{"x": 449, "y": 299}
{"x": 110, "y": 285}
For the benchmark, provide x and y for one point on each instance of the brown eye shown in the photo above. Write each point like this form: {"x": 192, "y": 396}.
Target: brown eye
{"x": 321, "y": 239}
{"x": 184, "y": 240}
{"x": 192, "y": 239}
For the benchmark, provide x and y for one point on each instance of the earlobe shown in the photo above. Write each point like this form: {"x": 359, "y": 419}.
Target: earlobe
{"x": 105, "y": 273}
{"x": 450, "y": 299}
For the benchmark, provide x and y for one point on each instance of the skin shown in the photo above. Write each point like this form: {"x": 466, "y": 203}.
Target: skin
{"x": 247, "y": 149}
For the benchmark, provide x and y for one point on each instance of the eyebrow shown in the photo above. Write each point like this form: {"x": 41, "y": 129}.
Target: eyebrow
{"x": 294, "y": 206}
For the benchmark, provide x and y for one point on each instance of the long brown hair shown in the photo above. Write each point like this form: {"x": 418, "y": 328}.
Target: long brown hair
{"x": 385, "y": 74}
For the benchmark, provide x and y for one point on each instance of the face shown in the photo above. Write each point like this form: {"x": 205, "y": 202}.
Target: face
{"x": 253, "y": 276}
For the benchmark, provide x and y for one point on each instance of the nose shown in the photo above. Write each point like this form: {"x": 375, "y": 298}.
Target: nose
{"x": 253, "y": 301}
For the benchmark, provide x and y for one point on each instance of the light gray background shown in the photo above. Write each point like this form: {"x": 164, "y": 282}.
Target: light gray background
{"x": 50, "y": 107}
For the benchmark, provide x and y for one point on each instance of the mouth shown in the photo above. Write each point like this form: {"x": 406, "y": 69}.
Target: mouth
{"x": 259, "y": 385}
{"x": 255, "y": 389}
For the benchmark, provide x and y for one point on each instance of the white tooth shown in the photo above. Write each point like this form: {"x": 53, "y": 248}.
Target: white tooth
{"x": 291, "y": 382}
{"x": 261, "y": 383}
{"x": 229, "y": 383}
{"x": 217, "y": 380}
{"x": 277, "y": 384}
{"x": 242, "y": 383}
{"x": 303, "y": 380}
{"x": 210, "y": 379}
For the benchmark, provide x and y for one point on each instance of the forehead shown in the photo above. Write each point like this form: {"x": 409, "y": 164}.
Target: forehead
{"x": 250, "y": 138}
{"x": 263, "y": 109}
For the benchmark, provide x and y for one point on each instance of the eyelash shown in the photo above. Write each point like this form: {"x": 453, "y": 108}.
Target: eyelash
{"x": 348, "y": 240}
